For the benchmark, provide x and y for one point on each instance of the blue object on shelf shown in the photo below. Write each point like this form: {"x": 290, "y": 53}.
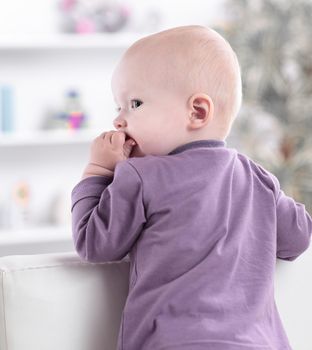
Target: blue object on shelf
{"x": 6, "y": 108}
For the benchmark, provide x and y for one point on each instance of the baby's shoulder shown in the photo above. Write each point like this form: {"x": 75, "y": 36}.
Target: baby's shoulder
{"x": 263, "y": 174}
{"x": 149, "y": 165}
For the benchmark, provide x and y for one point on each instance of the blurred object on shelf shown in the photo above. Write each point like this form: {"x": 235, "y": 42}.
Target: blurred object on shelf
{"x": 74, "y": 114}
{"x": 60, "y": 209}
{"x": 16, "y": 212}
{"x": 19, "y": 211}
{"x": 72, "y": 117}
{"x": 83, "y": 16}
{"x": 273, "y": 43}
{"x": 6, "y": 108}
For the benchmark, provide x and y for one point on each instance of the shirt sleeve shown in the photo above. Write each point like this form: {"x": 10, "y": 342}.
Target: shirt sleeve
{"x": 294, "y": 225}
{"x": 107, "y": 214}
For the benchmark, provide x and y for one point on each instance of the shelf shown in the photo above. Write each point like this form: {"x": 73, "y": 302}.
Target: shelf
{"x": 37, "y": 240}
{"x": 43, "y": 234}
{"x": 70, "y": 41}
{"x": 49, "y": 137}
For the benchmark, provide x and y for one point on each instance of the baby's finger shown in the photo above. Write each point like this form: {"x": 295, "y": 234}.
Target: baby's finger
{"x": 102, "y": 135}
{"x": 108, "y": 137}
{"x": 118, "y": 139}
{"x": 100, "y": 138}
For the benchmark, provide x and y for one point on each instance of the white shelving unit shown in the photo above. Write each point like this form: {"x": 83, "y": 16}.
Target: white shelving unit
{"x": 69, "y": 41}
{"x": 37, "y": 239}
{"x": 49, "y": 137}
{"x": 27, "y": 235}
{"x": 63, "y": 151}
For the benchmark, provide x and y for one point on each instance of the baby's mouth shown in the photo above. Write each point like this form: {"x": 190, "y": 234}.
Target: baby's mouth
{"x": 135, "y": 151}
{"x": 129, "y": 137}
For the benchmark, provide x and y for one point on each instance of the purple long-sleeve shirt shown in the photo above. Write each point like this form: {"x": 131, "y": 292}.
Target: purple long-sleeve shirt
{"x": 203, "y": 227}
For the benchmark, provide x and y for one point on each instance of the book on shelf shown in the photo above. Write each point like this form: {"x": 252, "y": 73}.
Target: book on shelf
{"x": 6, "y": 109}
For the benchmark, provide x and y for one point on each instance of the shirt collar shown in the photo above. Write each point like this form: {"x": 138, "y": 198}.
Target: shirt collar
{"x": 198, "y": 144}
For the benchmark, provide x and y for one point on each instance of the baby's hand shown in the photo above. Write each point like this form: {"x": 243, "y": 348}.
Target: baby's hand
{"x": 107, "y": 150}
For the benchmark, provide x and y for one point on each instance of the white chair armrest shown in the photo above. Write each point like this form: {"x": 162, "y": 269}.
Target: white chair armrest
{"x": 57, "y": 301}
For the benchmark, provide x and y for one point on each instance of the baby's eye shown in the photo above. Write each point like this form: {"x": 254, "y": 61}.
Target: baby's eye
{"x": 136, "y": 103}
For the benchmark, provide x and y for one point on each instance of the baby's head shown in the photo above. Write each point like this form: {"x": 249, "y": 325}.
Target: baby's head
{"x": 176, "y": 86}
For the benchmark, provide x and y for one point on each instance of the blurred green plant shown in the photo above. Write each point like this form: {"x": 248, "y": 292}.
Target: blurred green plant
{"x": 272, "y": 39}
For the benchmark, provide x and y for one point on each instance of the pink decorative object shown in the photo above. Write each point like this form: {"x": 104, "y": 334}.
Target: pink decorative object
{"x": 67, "y": 5}
{"x": 76, "y": 120}
{"x": 85, "y": 26}
{"x": 92, "y": 16}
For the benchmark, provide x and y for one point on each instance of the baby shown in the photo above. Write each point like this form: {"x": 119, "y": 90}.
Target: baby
{"x": 202, "y": 223}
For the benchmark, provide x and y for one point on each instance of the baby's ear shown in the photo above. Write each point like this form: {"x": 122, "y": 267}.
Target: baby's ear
{"x": 201, "y": 109}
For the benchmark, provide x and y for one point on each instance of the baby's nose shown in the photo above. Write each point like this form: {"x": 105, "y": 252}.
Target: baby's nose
{"x": 119, "y": 123}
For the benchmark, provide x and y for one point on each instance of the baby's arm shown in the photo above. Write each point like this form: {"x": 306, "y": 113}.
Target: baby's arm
{"x": 96, "y": 170}
{"x": 107, "y": 214}
{"x": 294, "y": 226}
